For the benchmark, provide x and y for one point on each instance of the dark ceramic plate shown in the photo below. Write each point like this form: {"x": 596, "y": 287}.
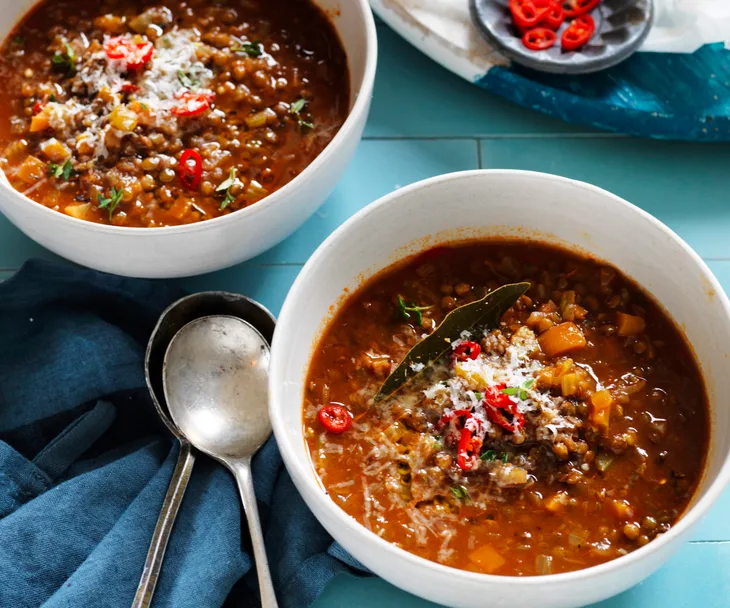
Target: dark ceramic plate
{"x": 621, "y": 26}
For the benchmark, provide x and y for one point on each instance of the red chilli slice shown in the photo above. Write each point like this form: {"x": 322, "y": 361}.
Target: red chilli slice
{"x": 192, "y": 104}
{"x": 539, "y": 38}
{"x": 190, "y": 169}
{"x": 498, "y": 404}
{"x": 466, "y": 350}
{"x": 335, "y": 417}
{"x": 578, "y": 33}
{"x": 135, "y": 54}
{"x": 575, "y": 8}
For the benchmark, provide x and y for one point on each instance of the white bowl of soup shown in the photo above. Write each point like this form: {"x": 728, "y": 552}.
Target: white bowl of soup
{"x": 172, "y": 139}
{"x": 556, "y": 452}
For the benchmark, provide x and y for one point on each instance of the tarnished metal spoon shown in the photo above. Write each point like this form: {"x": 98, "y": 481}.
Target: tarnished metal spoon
{"x": 215, "y": 377}
{"x": 174, "y": 318}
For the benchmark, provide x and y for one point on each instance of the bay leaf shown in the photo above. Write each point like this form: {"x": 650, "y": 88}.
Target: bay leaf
{"x": 485, "y": 312}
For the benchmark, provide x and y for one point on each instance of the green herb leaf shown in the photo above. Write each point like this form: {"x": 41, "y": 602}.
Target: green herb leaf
{"x": 479, "y": 396}
{"x": 485, "y": 312}
{"x": 225, "y": 185}
{"x": 65, "y": 171}
{"x": 52, "y": 98}
{"x": 186, "y": 80}
{"x": 520, "y": 391}
{"x": 252, "y": 49}
{"x": 505, "y": 457}
{"x": 460, "y": 492}
{"x": 296, "y": 109}
{"x": 111, "y": 202}
{"x": 144, "y": 105}
{"x": 509, "y": 391}
{"x": 19, "y": 40}
{"x": 65, "y": 62}
{"x": 489, "y": 456}
{"x": 411, "y": 309}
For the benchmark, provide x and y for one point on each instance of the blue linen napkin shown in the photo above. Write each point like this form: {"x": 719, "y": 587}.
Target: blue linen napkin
{"x": 85, "y": 463}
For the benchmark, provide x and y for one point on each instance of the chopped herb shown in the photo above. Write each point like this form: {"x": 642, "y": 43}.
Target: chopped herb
{"x": 65, "y": 171}
{"x": 411, "y": 309}
{"x": 252, "y": 49}
{"x": 52, "y": 98}
{"x": 479, "y": 396}
{"x": 65, "y": 62}
{"x": 505, "y": 457}
{"x": 296, "y": 110}
{"x": 521, "y": 390}
{"x": 186, "y": 80}
{"x": 489, "y": 456}
{"x": 460, "y": 492}
{"x": 112, "y": 202}
{"x": 298, "y": 105}
{"x": 19, "y": 40}
{"x": 225, "y": 185}
{"x": 144, "y": 105}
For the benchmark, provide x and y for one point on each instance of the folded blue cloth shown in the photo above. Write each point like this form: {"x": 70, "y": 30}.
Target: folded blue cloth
{"x": 85, "y": 463}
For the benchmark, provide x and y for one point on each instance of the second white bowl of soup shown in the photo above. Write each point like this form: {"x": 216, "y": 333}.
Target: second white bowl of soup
{"x": 332, "y": 349}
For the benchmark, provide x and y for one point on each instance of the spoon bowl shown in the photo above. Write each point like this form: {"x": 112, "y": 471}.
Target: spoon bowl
{"x": 215, "y": 379}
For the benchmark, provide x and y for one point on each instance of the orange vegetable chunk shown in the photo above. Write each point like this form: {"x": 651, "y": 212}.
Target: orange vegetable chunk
{"x": 32, "y": 170}
{"x": 601, "y": 402}
{"x": 629, "y": 325}
{"x": 562, "y": 339}
{"x": 487, "y": 558}
{"x": 39, "y": 122}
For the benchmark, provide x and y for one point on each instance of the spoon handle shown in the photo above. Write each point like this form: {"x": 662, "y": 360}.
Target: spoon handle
{"x": 158, "y": 544}
{"x": 242, "y": 472}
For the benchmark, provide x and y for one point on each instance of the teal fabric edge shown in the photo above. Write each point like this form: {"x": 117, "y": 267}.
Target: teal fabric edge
{"x": 657, "y": 95}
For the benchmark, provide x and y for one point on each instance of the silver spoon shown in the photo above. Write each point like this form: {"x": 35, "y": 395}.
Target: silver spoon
{"x": 215, "y": 378}
{"x": 174, "y": 318}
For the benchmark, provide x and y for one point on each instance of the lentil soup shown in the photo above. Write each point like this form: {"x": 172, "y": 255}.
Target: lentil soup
{"x": 571, "y": 434}
{"x": 146, "y": 113}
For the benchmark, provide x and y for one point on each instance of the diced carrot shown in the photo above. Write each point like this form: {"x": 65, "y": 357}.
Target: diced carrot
{"x": 602, "y": 401}
{"x": 556, "y": 503}
{"x": 39, "y": 122}
{"x": 629, "y": 325}
{"x": 622, "y": 509}
{"x": 32, "y": 170}
{"x": 487, "y": 559}
{"x": 561, "y": 339}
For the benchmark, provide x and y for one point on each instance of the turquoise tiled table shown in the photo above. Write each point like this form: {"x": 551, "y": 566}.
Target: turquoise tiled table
{"x": 424, "y": 122}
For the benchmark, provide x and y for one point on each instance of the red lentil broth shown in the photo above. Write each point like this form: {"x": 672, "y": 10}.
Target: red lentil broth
{"x": 101, "y": 100}
{"x": 615, "y": 428}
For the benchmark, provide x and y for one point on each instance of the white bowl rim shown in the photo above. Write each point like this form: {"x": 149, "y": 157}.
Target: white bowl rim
{"x": 358, "y": 108}
{"x": 305, "y": 472}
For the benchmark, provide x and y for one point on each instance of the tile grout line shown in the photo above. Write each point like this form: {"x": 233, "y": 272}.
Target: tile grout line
{"x": 479, "y": 153}
{"x": 494, "y": 136}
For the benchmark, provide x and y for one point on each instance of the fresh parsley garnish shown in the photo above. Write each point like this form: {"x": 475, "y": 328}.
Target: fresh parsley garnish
{"x": 143, "y": 105}
{"x": 520, "y": 391}
{"x": 411, "y": 309}
{"x": 460, "y": 492}
{"x": 52, "y": 98}
{"x": 252, "y": 49}
{"x": 65, "y": 170}
{"x": 19, "y": 40}
{"x": 489, "y": 456}
{"x": 479, "y": 396}
{"x": 186, "y": 80}
{"x": 110, "y": 203}
{"x": 65, "y": 62}
{"x": 296, "y": 110}
{"x": 225, "y": 185}
{"x": 492, "y": 455}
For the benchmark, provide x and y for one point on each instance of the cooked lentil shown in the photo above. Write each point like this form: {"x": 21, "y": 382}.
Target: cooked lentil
{"x": 599, "y": 446}
{"x": 102, "y": 97}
